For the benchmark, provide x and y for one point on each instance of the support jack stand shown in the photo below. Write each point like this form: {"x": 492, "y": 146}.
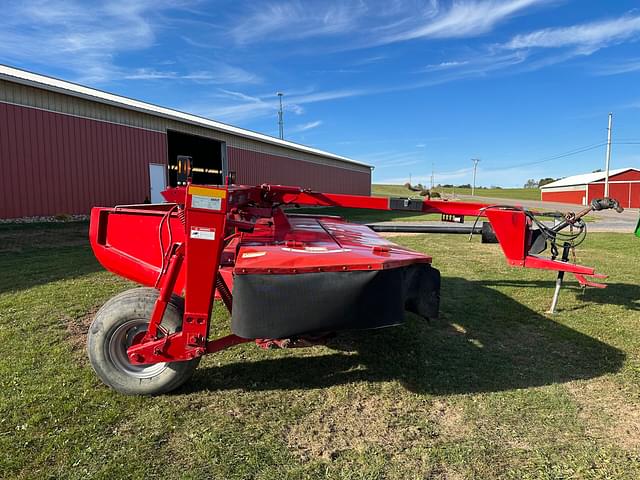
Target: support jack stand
{"x": 559, "y": 279}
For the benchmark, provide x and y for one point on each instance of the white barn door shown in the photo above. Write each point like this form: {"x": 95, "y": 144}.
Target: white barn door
{"x": 157, "y": 181}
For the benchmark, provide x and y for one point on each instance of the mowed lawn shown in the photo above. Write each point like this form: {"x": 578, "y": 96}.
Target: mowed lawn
{"x": 494, "y": 389}
{"x": 511, "y": 193}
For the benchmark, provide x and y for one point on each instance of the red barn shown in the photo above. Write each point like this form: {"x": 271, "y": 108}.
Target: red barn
{"x": 624, "y": 186}
{"x": 65, "y": 148}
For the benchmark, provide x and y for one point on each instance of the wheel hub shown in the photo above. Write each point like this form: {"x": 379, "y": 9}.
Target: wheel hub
{"x": 126, "y": 335}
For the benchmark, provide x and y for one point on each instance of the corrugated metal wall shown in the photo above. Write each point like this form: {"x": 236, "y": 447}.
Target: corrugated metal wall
{"x": 627, "y": 193}
{"x": 19, "y": 94}
{"x": 63, "y": 154}
{"x": 563, "y": 196}
{"x": 624, "y": 187}
{"x": 254, "y": 168}
{"x": 54, "y": 163}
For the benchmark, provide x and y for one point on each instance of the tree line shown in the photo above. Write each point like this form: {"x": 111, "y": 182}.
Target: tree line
{"x": 532, "y": 183}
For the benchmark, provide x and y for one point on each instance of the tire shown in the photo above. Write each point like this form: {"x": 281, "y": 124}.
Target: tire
{"x": 122, "y": 318}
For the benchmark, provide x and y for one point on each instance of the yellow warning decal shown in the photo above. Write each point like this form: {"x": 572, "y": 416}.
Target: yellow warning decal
{"x": 207, "y": 192}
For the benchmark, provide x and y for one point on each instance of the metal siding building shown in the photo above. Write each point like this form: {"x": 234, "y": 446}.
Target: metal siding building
{"x": 65, "y": 148}
{"x": 624, "y": 186}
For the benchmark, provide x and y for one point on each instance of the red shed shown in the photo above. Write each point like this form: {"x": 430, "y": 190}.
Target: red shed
{"x": 624, "y": 186}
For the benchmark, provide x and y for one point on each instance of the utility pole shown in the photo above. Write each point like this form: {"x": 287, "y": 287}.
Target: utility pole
{"x": 475, "y": 167}
{"x": 431, "y": 176}
{"x": 410, "y": 179}
{"x": 608, "y": 160}
{"x": 280, "y": 117}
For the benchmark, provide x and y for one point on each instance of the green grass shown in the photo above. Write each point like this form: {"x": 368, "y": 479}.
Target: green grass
{"x": 494, "y": 389}
{"x": 510, "y": 193}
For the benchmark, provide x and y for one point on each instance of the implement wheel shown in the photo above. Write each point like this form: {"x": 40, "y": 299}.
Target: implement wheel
{"x": 120, "y": 323}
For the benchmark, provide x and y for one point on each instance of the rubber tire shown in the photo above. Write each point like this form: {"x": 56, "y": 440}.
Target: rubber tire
{"x": 134, "y": 304}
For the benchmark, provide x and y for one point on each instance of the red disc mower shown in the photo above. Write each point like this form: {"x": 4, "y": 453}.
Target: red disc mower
{"x": 286, "y": 279}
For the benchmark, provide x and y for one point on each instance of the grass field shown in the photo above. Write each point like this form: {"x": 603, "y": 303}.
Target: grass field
{"x": 494, "y": 389}
{"x": 511, "y": 193}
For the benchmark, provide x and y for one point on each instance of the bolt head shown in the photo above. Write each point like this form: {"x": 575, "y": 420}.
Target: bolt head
{"x": 136, "y": 358}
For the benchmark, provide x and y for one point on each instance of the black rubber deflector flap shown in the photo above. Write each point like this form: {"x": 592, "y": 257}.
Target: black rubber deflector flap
{"x": 281, "y": 306}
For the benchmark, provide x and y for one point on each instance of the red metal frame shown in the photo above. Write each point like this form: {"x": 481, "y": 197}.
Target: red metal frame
{"x": 188, "y": 249}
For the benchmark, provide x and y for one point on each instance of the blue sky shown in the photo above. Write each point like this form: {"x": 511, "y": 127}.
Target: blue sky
{"x": 400, "y": 84}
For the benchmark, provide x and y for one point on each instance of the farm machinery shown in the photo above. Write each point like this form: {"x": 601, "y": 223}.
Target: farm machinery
{"x": 286, "y": 279}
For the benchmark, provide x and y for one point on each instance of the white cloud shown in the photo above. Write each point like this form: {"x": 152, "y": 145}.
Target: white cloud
{"x": 446, "y": 65}
{"x": 236, "y": 106}
{"x": 619, "y": 68}
{"x": 370, "y": 23}
{"x": 295, "y": 19}
{"x": 87, "y": 39}
{"x": 223, "y": 74}
{"x": 305, "y": 127}
{"x": 462, "y": 19}
{"x": 587, "y": 37}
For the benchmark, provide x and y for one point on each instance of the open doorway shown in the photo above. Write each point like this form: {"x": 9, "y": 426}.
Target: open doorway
{"x": 207, "y": 157}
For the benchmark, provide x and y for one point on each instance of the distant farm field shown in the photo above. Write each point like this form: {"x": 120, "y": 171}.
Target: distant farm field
{"x": 511, "y": 193}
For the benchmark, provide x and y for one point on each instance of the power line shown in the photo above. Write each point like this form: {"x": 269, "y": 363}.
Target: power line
{"x": 556, "y": 157}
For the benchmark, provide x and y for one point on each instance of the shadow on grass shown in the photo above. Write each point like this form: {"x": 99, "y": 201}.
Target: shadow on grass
{"x": 33, "y": 254}
{"x": 623, "y": 294}
{"x": 484, "y": 342}
{"x": 37, "y": 266}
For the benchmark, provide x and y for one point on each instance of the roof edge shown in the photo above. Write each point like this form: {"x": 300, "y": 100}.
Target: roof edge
{"x": 582, "y": 179}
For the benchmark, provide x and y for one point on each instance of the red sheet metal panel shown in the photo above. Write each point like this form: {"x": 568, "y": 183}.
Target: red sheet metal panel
{"x": 627, "y": 193}
{"x": 628, "y": 175}
{"x": 564, "y": 196}
{"x": 53, "y": 163}
{"x": 635, "y": 195}
{"x": 253, "y": 168}
{"x": 60, "y": 164}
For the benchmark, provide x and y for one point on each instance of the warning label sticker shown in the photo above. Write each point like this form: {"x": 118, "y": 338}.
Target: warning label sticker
{"x": 206, "y": 203}
{"x": 203, "y": 233}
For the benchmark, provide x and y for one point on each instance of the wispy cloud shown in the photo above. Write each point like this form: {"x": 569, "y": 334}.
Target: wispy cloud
{"x": 305, "y": 127}
{"x": 461, "y": 19}
{"x": 619, "y": 68}
{"x": 446, "y": 65}
{"x": 586, "y": 38}
{"x": 544, "y": 48}
{"x": 371, "y": 23}
{"x": 234, "y": 106}
{"x": 295, "y": 19}
{"x": 370, "y": 60}
{"x": 88, "y": 39}
{"x": 222, "y": 75}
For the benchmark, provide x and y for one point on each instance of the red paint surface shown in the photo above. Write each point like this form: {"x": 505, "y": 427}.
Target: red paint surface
{"x": 635, "y": 195}
{"x": 59, "y": 164}
{"x": 628, "y": 194}
{"x": 628, "y": 175}
{"x": 570, "y": 196}
{"x": 253, "y": 168}
{"x": 53, "y": 163}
